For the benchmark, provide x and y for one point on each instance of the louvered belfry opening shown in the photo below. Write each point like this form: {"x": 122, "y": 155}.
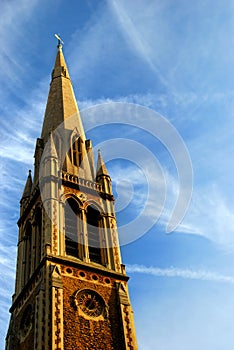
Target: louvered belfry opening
{"x": 93, "y": 216}
{"x": 71, "y": 227}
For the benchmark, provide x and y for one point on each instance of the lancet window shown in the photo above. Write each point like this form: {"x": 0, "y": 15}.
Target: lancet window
{"x": 77, "y": 151}
{"x": 38, "y": 230}
{"x": 71, "y": 227}
{"x": 27, "y": 251}
{"x": 93, "y": 227}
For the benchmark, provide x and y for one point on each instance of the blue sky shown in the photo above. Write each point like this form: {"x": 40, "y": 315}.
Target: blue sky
{"x": 176, "y": 58}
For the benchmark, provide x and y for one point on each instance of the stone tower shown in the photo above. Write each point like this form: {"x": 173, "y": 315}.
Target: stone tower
{"x": 71, "y": 288}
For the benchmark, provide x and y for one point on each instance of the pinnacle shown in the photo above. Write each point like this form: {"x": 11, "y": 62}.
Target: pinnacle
{"x": 28, "y": 186}
{"x": 101, "y": 167}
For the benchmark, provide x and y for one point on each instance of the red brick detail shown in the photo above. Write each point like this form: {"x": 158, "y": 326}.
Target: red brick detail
{"x": 57, "y": 322}
{"x": 90, "y": 333}
{"x": 128, "y": 327}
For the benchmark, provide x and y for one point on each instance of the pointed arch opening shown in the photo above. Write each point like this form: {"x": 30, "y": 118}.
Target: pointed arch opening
{"x": 76, "y": 151}
{"x": 28, "y": 251}
{"x": 94, "y": 241}
{"x": 38, "y": 232}
{"x": 71, "y": 227}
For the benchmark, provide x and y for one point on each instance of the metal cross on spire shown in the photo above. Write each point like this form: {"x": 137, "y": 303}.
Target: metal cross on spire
{"x": 60, "y": 42}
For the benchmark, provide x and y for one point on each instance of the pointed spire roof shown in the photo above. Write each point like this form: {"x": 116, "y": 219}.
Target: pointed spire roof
{"x": 101, "y": 168}
{"x": 61, "y": 102}
{"x": 28, "y": 186}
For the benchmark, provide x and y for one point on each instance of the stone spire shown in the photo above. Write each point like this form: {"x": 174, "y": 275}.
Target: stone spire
{"x": 61, "y": 103}
{"x": 101, "y": 168}
{"x": 28, "y": 186}
{"x": 103, "y": 177}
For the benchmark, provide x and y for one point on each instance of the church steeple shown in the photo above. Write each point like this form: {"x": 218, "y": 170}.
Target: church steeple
{"x": 61, "y": 102}
{"x": 71, "y": 286}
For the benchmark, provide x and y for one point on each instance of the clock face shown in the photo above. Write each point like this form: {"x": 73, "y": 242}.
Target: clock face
{"x": 90, "y": 302}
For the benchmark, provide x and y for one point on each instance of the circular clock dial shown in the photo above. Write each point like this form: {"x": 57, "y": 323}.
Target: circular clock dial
{"x": 90, "y": 302}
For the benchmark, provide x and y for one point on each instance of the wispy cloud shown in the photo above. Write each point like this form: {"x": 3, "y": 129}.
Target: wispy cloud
{"x": 18, "y": 142}
{"x": 210, "y": 213}
{"x": 132, "y": 32}
{"x": 7, "y": 278}
{"x": 211, "y": 216}
{"x": 13, "y": 18}
{"x": 202, "y": 275}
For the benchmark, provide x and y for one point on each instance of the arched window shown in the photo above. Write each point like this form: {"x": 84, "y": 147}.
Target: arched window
{"x": 38, "y": 230}
{"x": 77, "y": 151}
{"x": 93, "y": 216}
{"x": 28, "y": 252}
{"x": 71, "y": 227}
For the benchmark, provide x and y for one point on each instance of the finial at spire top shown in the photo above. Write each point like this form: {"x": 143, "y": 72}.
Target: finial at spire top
{"x": 60, "y": 42}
